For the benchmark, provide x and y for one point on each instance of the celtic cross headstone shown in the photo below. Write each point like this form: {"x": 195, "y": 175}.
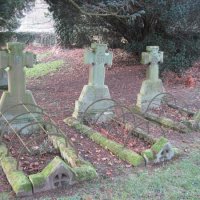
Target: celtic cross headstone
{"x": 152, "y": 86}
{"x": 15, "y": 59}
{"x": 97, "y": 57}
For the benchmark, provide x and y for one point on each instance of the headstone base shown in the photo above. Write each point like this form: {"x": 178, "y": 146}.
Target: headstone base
{"x": 7, "y": 101}
{"x": 26, "y": 123}
{"x": 148, "y": 91}
{"x": 19, "y": 116}
{"x": 89, "y": 95}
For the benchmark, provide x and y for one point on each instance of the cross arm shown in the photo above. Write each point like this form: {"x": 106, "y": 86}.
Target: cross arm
{"x": 161, "y": 56}
{"x": 29, "y": 59}
{"x": 88, "y": 57}
{"x": 3, "y": 59}
{"x": 109, "y": 58}
{"x": 146, "y": 58}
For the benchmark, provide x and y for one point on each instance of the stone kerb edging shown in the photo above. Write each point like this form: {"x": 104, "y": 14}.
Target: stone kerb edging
{"x": 56, "y": 174}
{"x": 119, "y": 150}
{"x": 19, "y": 182}
{"x": 161, "y": 149}
{"x": 178, "y": 126}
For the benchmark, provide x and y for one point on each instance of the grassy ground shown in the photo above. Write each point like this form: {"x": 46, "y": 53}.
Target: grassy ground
{"x": 175, "y": 181}
{"x": 43, "y": 69}
{"x": 178, "y": 180}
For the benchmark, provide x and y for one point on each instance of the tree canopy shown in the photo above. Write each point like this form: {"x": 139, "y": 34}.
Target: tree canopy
{"x": 174, "y": 25}
{"x": 11, "y": 11}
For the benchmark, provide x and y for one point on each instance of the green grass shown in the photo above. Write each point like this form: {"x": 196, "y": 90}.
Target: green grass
{"x": 44, "y": 55}
{"x": 43, "y": 69}
{"x": 175, "y": 181}
{"x": 178, "y": 180}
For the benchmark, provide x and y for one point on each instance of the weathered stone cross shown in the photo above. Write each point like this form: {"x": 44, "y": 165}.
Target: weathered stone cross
{"x": 16, "y": 59}
{"x": 153, "y": 57}
{"x": 152, "y": 86}
{"x": 98, "y": 57}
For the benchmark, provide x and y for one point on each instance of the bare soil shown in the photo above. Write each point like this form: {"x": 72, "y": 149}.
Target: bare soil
{"x": 57, "y": 92}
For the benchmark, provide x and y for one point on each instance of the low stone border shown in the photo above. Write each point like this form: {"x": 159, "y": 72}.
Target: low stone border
{"x": 19, "y": 182}
{"x": 178, "y": 126}
{"x": 161, "y": 149}
{"x": 116, "y": 148}
{"x": 56, "y": 174}
{"x": 137, "y": 132}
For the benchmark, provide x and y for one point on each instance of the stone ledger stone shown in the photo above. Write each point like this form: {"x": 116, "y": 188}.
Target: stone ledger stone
{"x": 98, "y": 57}
{"x": 152, "y": 86}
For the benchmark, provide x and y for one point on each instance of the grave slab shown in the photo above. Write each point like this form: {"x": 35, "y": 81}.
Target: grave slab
{"x": 152, "y": 86}
{"x": 97, "y": 57}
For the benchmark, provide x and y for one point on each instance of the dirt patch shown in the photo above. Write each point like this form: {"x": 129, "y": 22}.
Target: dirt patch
{"x": 58, "y": 91}
{"x": 41, "y": 152}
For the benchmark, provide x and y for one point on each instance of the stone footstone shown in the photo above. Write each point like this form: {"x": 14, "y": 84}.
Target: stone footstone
{"x": 56, "y": 174}
{"x": 98, "y": 57}
{"x": 152, "y": 86}
{"x": 160, "y": 151}
{"x": 15, "y": 59}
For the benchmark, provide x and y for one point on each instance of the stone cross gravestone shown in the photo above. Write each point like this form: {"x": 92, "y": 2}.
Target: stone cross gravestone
{"x": 152, "y": 86}
{"x": 97, "y": 57}
{"x": 15, "y": 59}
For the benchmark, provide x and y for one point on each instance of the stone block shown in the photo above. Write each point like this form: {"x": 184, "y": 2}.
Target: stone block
{"x": 162, "y": 150}
{"x": 89, "y": 95}
{"x": 148, "y": 91}
{"x": 56, "y": 174}
{"x": 19, "y": 182}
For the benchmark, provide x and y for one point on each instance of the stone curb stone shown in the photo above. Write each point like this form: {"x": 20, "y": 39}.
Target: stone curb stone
{"x": 19, "y": 182}
{"x": 83, "y": 170}
{"x": 116, "y": 148}
{"x": 56, "y": 174}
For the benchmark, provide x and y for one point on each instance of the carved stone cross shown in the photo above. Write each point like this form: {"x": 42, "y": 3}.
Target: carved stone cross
{"x": 16, "y": 60}
{"x": 98, "y": 58}
{"x": 153, "y": 57}
{"x": 152, "y": 86}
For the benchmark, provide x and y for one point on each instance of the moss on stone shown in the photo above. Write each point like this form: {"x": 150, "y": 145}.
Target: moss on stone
{"x": 116, "y": 148}
{"x": 156, "y": 148}
{"x": 37, "y": 180}
{"x": 85, "y": 172}
{"x": 131, "y": 157}
{"x": 164, "y": 121}
{"x": 148, "y": 153}
{"x": 3, "y": 151}
{"x": 9, "y": 164}
{"x": 19, "y": 182}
